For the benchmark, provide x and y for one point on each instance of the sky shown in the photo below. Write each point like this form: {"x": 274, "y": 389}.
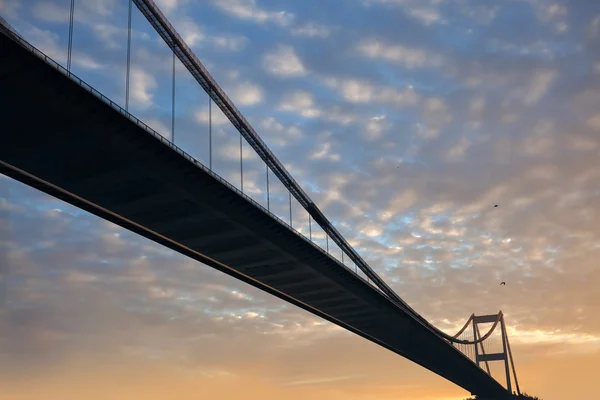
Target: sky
{"x": 405, "y": 120}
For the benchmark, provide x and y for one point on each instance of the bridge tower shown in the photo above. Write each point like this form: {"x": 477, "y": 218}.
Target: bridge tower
{"x": 506, "y": 355}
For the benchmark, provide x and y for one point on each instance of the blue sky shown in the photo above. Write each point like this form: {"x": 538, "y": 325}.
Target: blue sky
{"x": 405, "y": 120}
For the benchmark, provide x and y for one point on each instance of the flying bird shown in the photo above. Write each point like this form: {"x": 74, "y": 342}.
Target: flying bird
{"x": 495, "y": 205}
{"x": 503, "y": 283}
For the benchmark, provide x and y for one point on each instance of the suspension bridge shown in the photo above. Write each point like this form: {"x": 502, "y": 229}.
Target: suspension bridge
{"x": 65, "y": 138}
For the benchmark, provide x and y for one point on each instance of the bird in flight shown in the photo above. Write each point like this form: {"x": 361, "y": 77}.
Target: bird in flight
{"x": 503, "y": 283}
{"x": 495, "y": 205}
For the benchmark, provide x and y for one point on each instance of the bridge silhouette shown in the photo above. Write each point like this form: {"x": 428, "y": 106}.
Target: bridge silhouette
{"x": 65, "y": 138}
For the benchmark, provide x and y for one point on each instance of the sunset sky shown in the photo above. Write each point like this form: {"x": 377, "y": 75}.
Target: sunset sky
{"x": 405, "y": 120}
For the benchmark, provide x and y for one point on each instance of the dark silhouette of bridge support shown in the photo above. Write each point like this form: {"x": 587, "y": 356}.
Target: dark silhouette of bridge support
{"x": 482, "y": 357}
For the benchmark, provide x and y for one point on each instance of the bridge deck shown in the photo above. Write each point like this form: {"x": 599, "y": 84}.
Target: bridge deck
{"x": 67, "y": 142}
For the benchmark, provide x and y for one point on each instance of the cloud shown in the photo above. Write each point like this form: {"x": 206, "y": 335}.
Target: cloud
{"x": 594, "y": 122}
{"x": 358, "y": 92}
{"x": 247, "y": 94}
{"x": 248, "y": 10}
{"x": 283, "y": 62}
{"x": 324, "y": 151}
{"x": 217, "y": 118}
{"x": 312, "y": 30}
{"x": 301, "y": 103}
{"x": 427, "y": 16}
{"x": 372, "y": 230}
{"x": 424, "y": 11}
{"x": 193, "y": 36}
{"x": 142, "y": 85}
{"x": 159, "y": 127}
{"x": 86, "y": 11}
{"x": 50, "y": 11}
{"x": 552, "y": 337}
{"x": 375, "y": 127}
{"x": 48, "y": 42}
{"x": 361, "y": 91}
{"x": 436, "y": 115}
{"x": 552, "y": 13}
{"x": 278, "y": 134}
{"x": 10, "y": 8}
{"x": 459, "y": 150}
{"x": 594, "y": 27}
{"x": 168, "y": 6}
{"x": 230, "y": 43}
{"x": 539, "y": 86}
{"x": 231, "y": 151}
{"x": 190, "y": 32}
{"x": 405, "y": 56}
{"x": 318, "y": 380}
{"x": 481, "y": 13}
